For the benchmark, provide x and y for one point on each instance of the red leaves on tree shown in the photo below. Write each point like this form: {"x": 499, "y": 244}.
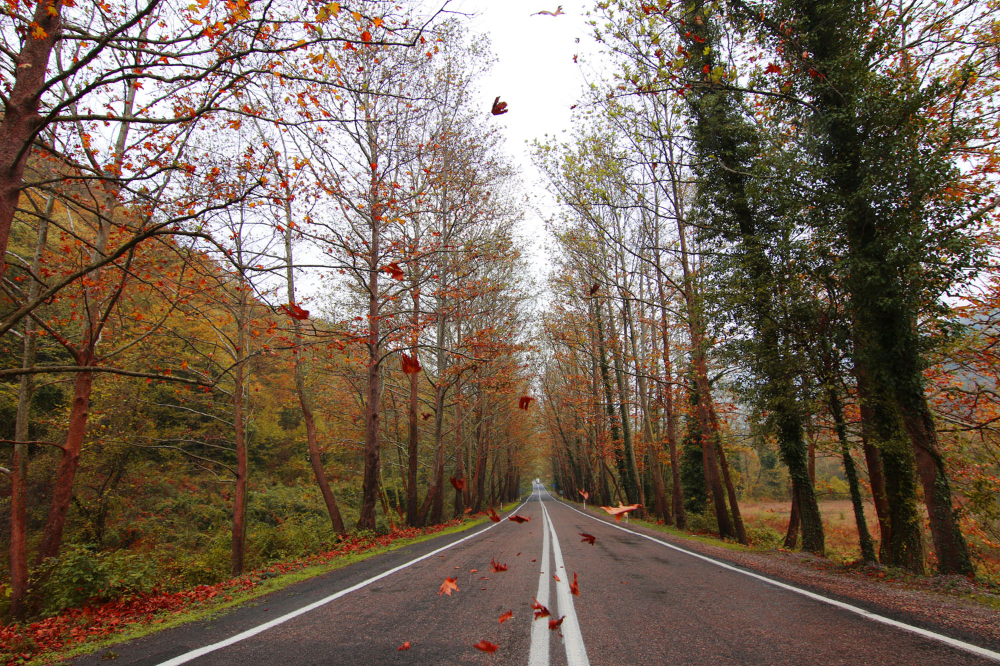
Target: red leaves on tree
{"x": 499, "y": 108}
{"x": 524, "y": 402}
{"x": 506, "y": 616}
{"x": 496, "y": 567}
{"x": 459, "y": 484}
{"x": 394, "y": 271}
{"x": 410, "y": 365}
{"x": 448, "y": 585}
{"x": 519, "y": 519}
{"x": 772, "y": 69}
{"x": 596, "y": 288}
{"x": 404, "y": 646}
{"x": 295, "y": 312}
{"x": 620, "y": 510}
{"x": 366, "y": 36}
{"x": 554, "y": 624}
{"x": 540, "y": 610}
{"x": 574, "y": 588}
{"x": 493, "y": 516}
{"x": 585, "y": 494}
{"x": 486, "y": 646}
{"x": 589, "y": 538}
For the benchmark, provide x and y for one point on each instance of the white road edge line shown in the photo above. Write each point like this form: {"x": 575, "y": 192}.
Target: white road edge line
{"x": 576, "y": 651}
{"x": 202, "y": 651}
{"x": 538, "y": 655}
{"x": 875, "y": 617}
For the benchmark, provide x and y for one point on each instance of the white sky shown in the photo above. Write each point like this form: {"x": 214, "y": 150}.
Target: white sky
{"x": 535, "y": 74}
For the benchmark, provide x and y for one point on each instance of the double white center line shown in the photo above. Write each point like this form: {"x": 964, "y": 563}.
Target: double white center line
{"x": 576, "y": 653}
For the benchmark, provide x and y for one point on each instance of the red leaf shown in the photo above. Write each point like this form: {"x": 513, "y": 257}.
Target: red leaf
{"x": 395, "y": 271}
{"x": 448, "y": 585}
{"x": 486, "y": 646}
{"x": 404, "y": 646}
{"x": 574, "y": 588}
{"x": 554, "y": 624}
{"x": 366, "y": 36}
{"x": 496, "y": 567}
{"x": 499, "y": 108}
{"x": 459, "y": 484}
{"x": 519, "y": 519}
{"x": 410, "y": 365}
{"x": 540, "y": 610}
{"x": 595, "y": 288}
{"x": 468, "y": 509}
{"x": 585, "y": 494}
{"x": 772, "y": 69}
{"x": 506, "y": 616}
{"x": 295, "y": 312}
{"x": 558, "y": 579}
{"x": 524, "y": 402}
{"x": 493, "y": 516}
{"x": 589, "y": 538}
{"x": 620, "y": 510}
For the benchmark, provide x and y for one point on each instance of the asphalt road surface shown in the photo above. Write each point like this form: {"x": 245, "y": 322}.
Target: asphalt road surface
{"x": 641, "y": 601}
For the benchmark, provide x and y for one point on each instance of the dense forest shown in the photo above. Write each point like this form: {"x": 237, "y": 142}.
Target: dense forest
{"x": 264, "y": 287}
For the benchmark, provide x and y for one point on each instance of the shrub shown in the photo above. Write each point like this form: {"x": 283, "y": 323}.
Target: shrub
{"x": 764, "y": 537}
{"x": 82, "y": 574}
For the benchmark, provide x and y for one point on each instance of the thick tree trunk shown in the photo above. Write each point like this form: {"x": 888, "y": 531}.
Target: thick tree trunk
{"x": 792, "y": 535}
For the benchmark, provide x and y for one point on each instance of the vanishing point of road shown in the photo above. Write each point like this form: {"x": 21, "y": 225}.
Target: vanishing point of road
{"x": 643, "y": 601}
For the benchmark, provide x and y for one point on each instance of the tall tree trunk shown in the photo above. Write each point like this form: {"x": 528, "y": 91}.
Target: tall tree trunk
{"x": 413, "y": 444}
{"x": 373, "y": 397}
{"x": 677, "y": 492}
{"x": 239, "y": 378}
{"x": 851, "y": 472}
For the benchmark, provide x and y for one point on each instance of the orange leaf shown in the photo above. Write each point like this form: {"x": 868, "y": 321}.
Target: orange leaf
{"x": 459, "y": 484}
{"x": 554, "y": 624}
{"x": 589, "y": 538}
{"x": 620, "y": 510}
{"x": 37, "y": 31}
{"x": 404, "y": 646}
{"x": 468, "y": 509}
{"x": 540, "y": 610}
{"x": 448, "y": 585}
{"x": 519, "y": 519}
{"x": 585, "y": 494}
{"x": 486, "y": 646}
{"x": 295, "y": 312}
{"x": 496, "y": 567}
{"x": 395, "y": 271}
{"x": 506, "y": 616}
{"x": 574, "y": 587}
{"x": 558, "y": 580}
{"x": 366, "y": 36}
{"x": 493, "y": 516}
{"x": 411, "y": 366}
{"x": 378, "y": 22}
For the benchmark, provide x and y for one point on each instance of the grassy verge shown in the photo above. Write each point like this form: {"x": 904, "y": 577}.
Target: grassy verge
{"x": 78, "y": 641}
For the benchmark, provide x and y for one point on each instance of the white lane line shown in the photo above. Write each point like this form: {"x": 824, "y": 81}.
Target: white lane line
{"x": 539, "y": 654}
{"x": 202, "y": 651}
{"x": 576, "y": 652}
{"x": 875, "y": 617}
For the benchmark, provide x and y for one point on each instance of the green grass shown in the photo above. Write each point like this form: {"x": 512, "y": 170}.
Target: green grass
{"x": 215, "y": 608}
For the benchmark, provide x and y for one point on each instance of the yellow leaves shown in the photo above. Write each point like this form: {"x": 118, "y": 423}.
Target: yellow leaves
{"x": 51, "y": 9}
{"x": 37, "y": 32}
{"x": 203, "y": 3}
{"x": 356, "y": 15}
{"x": 378, "y": 22}
{"x": 326, "y": 11}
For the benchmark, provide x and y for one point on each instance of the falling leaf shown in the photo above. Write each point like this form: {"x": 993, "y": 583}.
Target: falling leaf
{"x": 589, "y": 538}
{"x": 772, "y": 69}
{"x": 468, "y": 509}
{"x": 574, "y": 587}
{"x": 410, "y": 365}
{"x": 554, "y": 624}
{"x": 404, "y": 646}
{"x": 493, "y": 516}
{"x": 394, "y": 271}
{"x": 496, "y": 567}
{"x": 499, "y": 108}
{"x": 594, "y": 289}
{"x": 620, "y": 510}
{"x": 459, "y": 484}
{"x": 295, "y": 312}
{"x": 585, "y": 494}
{"x": 524, "y": 402}
{"x": 448, "y": 585}
{"x": 519, "y": 519}
{"x": 558, "y": 579}
{"x": 540, "y": 610}
{"x": 545, "y": 12}
{"x": 486, "y": 646}
{"x": 377, "y": 22}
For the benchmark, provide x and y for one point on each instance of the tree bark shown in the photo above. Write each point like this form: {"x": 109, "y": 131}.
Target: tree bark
{"x": 850, "y": 471}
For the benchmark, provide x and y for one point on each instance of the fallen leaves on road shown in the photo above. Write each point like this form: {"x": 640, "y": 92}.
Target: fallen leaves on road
{"x": 506, "y": 616}
{"x": 554, "y": 624}
{"x": 496, "y": 567}
{"x": 404, "y": 646}
{"x": 519, "y": 519}
{"x": 620, "y": 510}
{"x": 448, "y": 585}
{"x": 486, "y": 646}
{"x": 540, "y": 610}
{"x": 558, "y": 580}
{"x": 589, "y": 538}
{"x": 574, "y": 588}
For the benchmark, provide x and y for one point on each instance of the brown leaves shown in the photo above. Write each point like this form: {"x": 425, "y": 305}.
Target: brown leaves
{"x": 448, "y": 585}
{"x": 493, "y": 516}
{"x": 540, "y": 610}
{"x": 405, "y": 646}
{"x": 524, "y": 402}
{"x": 295, "y": 312}
{"x": 393, "y": 269}
{"x": 519, "y": 519}
{"x": 596, "y": 288}
{"x": 499, "y": 108}
{"x": 554, "y": 624}
{"x": 486, "y": 646}
{"x": 458, "y": 484}
{"x": 620, "y": 510}
{"x": 574, "y": 588}
{"x": 589, "y": 538}
{"x": 410, "y": 365}
{"x": 496, "y": 567}
{"x": 506, "y": 616}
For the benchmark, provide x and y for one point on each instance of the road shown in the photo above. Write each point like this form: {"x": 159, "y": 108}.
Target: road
{"x": 641, "y": 602}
